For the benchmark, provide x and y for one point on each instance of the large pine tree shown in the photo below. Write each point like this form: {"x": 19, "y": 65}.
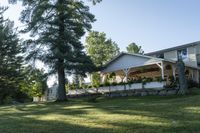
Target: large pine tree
{"x": 10, "y": 59}
{"x": 57, "y": 27}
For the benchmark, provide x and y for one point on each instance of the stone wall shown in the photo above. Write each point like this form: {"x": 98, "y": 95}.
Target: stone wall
{"x": 143, "y": 92}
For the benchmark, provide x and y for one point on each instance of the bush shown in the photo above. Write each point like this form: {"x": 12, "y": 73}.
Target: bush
{"x": 89, "y": 86}
{"x": 159, "y": 79}
{"x": 149, "y": 79}
{"x": 192, "y": 83}
{"x": 93, "y": 98}
{"x": 106, "y": 84}
{"x": 101, "y": 85}
{"x": 114, "y": 84}
{"x": 170, "y": 86}
{"x": 8, "y": 100}
{"x": 122, "y": 83}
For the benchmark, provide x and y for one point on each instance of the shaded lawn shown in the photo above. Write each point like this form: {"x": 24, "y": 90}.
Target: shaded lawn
{"x": 151, "y": 114}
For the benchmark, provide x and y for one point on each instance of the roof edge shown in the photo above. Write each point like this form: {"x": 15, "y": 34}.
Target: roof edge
{"x": 174, "y": 48}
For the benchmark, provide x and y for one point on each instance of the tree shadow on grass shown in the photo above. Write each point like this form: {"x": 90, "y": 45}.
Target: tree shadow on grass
{"x": 23, "y": 124}
{"x": 132, "y": 114}
{"x": 170, "y": 111}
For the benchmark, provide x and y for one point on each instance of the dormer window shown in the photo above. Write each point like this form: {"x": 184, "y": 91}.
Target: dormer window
{"x": 182, "y": 54}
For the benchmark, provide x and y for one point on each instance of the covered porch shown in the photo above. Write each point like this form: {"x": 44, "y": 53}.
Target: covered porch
{"x": 157, "y": 71}
{"x": 134, "y": 67}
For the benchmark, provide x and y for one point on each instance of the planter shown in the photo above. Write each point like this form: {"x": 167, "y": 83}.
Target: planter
{"x": 155, "y": 85}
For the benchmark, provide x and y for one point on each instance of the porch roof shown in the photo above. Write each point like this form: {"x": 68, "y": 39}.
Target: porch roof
{"x": 127, "y": 60}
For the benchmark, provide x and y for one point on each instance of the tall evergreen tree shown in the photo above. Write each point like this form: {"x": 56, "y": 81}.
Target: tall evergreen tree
{"x": 10, "y": 59}
{"x": 57, "y": 27}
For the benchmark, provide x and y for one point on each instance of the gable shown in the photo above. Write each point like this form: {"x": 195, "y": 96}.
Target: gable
{"x": 128, "y": 61}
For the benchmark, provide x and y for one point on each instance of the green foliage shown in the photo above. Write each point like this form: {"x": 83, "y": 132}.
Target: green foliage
{"x": 134, "y": 49}
{"x": 95, "y": 1}
{"x": 95, "y": 79}
{"x": 10, "y": 59}
{"x": 192, "y": 83}
{"x": 56, "y": 28}
{"x": 34, "y": 83}
{"x": 100, "y": 49}
{"x": 159, "y": 79}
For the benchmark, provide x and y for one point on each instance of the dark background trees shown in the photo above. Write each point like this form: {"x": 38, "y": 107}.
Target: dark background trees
{"x": 10, "y": 59}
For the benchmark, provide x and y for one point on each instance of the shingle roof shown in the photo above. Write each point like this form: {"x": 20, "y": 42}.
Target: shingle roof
{"x": 174, "y": 48}
{"x": 144, "y": 56}
{"x": 139, "y": 55}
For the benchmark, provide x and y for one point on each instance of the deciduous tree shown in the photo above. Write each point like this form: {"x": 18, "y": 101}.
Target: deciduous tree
{"x": 100, "y": 49}
{"x": 134, "y": 49}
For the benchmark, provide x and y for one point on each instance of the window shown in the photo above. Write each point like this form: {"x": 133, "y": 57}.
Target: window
{"x": 160, "y": 55}
{"x": 182, "y": 54}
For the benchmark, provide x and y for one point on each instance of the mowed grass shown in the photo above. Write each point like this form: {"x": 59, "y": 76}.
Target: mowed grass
{"x": 151, "y": 114}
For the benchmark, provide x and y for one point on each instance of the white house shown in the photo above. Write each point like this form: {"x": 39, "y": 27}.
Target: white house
{"x": 160, "y": 63}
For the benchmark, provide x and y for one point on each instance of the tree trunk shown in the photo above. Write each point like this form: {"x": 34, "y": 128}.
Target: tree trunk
{"x": 61, "y": 82}
{"x": 61, "y": 69}
{"x": 182, "y": 79}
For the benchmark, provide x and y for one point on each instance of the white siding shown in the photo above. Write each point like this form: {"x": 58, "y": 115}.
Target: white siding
{"x": 172, "y": 55}
{"x": 197, "y": 47}
{"x": 191, "y": 60}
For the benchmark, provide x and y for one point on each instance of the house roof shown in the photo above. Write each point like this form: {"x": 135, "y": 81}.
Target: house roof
{"x": 138, "y": 55}
{"x": 174, "y": 48}
{"x": 154, "y": 59}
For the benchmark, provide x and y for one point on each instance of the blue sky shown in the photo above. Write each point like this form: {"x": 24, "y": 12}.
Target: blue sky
{"x": 153, "y": 24}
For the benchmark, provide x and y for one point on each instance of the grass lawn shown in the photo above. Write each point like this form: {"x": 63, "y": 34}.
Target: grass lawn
{"x": 151, "y": 114}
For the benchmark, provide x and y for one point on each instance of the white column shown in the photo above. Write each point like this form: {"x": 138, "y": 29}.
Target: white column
{"x": 161, "y": 65}
{"x": 174, "y": 71}
{"x": 162, "y": 70}
{"x": 126, "y": 71}
{"x": 192, "y": 73}
{"x": 197, "y": 76}
{"x": 103, "y": 76}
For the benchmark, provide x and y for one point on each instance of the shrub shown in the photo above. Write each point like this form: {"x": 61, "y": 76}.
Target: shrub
{"x": 122, "y": 83}
{"x": 8, "y": 100}
{"x": 159, "y": 79}
{"x": 89, "y": 86}
{"x": 114, "y": 84}
{"x": 101, "y": 85}
{"x": 170, "y": 86}
{"x": 192, "y": 83}
{"x": 149, "y": 79}
{"x": 93, "y": 98}
{"x": 106, "y": 84}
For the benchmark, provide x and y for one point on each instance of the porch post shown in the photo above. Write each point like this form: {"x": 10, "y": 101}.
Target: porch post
{"x": 174, "y": 71}
{"x": 102, "y": 77}
{"x": 162, "y": 70}
{"x": 197, "y": 77}
{"x": 126, "y": 71}
{"x": 161, "y": 65}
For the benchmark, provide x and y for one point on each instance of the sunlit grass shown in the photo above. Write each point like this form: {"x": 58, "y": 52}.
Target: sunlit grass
{"x": 151, "y": 114}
